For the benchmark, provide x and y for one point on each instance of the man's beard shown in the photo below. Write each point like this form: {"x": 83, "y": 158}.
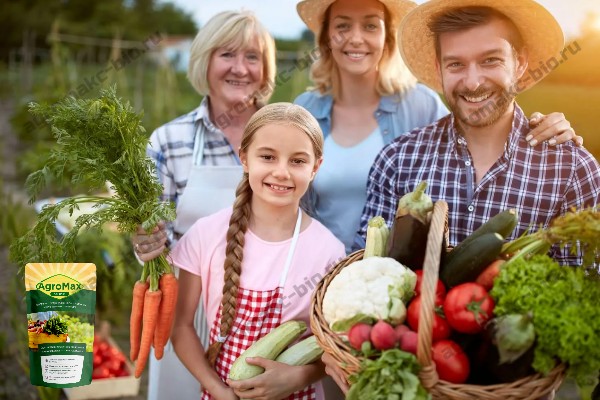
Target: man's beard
{"x": 486, "y": 114}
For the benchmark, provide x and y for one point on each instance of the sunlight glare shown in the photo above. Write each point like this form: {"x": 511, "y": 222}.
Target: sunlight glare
{"x": 596, "y": 23}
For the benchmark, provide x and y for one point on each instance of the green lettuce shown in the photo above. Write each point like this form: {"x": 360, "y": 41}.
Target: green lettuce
{"x": 566, "y": 314}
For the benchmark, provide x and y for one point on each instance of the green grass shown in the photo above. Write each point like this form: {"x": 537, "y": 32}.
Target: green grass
{"x": 580, "y": 105}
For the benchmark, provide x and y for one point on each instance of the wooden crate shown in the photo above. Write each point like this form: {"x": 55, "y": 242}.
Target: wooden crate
{"x": 109, "y": 387}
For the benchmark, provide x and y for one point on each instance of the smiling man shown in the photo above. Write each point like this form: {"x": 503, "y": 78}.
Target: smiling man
{"x": 477, "y": 53}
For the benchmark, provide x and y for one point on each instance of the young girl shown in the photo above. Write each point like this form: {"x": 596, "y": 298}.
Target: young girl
{"x": 255, "y": 264}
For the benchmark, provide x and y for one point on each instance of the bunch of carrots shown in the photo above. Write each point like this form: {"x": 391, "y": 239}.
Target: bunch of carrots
{"x": 97, "y": 141}
{"x": 152, "y": 312}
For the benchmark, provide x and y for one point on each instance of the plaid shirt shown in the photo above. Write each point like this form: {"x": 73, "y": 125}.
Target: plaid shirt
{"x": 539, "y": 182}
{"x": 171, "y": 147}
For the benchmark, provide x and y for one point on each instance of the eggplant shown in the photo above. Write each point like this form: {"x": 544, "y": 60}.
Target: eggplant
{"x": 506, "y": 353}
{"x": 407, "y": 241}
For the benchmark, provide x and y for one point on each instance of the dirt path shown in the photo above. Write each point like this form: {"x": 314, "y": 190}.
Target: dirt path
{"x": 14, "y": 383}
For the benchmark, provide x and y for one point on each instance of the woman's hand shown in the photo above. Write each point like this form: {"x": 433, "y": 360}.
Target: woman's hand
{"x": 332, "y": 369}
{"x": 553, "y": 127}
{"x": 277, "y": 382}
{"x": 148, "y": 246}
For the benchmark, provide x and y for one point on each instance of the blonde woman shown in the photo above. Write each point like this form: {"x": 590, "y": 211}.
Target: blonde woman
{"x": 232, "y": 65}
{"x": 364, "y": 98}
{"x": 247, "y": 262}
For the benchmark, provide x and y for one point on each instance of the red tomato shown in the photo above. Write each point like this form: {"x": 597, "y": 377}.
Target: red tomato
{"x": 97, "y": 360}
{"x": 451, "y": 363}
{"x": 468, "y": 307}
{"x": 440, "y": 327}
{"x": 440, "y": 290}
{"x": 101, "y": 372}
{"x": 486, "y": 278}
{"x": 114, "y": 353}
{"x": 102, "y": 347}
{"x": 113, "y": 365}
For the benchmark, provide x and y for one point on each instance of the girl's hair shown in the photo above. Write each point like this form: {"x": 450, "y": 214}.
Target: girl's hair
{"x": 235, "y": 29}
{"x": 285, "y": 114}
{"x": 394, "y": 76}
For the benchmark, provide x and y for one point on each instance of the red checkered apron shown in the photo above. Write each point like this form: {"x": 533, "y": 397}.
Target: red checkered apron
{"x": 258, "y": 313}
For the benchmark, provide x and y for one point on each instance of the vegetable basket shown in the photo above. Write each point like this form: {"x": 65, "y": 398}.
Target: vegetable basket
{"x": 529, "y": 388}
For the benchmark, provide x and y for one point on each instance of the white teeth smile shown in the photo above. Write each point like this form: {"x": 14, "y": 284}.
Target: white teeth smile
{"x": 237, "y": 83}
{"x": 477, "y": 99}
{"x": 280, "y": 188}
{"x": 356, "y": 55}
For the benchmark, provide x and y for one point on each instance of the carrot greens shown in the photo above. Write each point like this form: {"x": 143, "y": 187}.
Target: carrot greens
{"x": 97, "y": 140}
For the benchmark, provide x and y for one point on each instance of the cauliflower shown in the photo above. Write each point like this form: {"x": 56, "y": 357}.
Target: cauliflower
{"x": 376, "y": 287}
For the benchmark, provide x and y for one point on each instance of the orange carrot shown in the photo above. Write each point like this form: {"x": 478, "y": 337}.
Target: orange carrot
{"x": 135, "y": 320}
{"x": 169, "y": 287}
{"x": 151, "y": 306}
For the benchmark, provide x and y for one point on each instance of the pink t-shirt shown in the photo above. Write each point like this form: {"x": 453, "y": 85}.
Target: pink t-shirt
{"x": 201, "y": 251}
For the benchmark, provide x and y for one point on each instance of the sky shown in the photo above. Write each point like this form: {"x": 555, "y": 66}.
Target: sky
{"x": 279, "y": 16}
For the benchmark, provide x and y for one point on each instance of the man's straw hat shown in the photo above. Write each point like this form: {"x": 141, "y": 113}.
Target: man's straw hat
{"x": 541, "y": 33}
{"x": 312, "y": 12}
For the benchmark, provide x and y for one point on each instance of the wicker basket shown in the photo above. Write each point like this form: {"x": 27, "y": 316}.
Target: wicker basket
{"x": 529, "y": 388}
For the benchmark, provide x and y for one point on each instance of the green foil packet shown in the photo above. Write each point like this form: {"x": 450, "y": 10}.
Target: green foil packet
{"x": 61, "y": 306}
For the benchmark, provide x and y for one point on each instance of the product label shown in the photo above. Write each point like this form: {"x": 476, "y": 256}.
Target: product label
{"x": 61, "y": 301}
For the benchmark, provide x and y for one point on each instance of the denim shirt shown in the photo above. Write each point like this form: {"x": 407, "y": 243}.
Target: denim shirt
{"x": 395, "y": 115}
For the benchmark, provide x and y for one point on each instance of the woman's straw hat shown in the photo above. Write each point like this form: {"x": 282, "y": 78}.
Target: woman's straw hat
{"x": 312, "y": 12}
{"x": 541, "y": 33}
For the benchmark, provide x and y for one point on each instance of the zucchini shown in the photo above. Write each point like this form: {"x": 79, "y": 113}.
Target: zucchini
{"x": 502, "y": 223}
{"x": 304, "y": 352}
{"x": 467, "y": 260}
{"x": 269, "y": 346}
{"x": 377, "y": 237}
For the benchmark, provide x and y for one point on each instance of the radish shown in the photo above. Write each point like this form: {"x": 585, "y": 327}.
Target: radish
{"x": 358, "y": 334}
{"x": 383, "y": 336}
{"x": 409, "y": 342}
{"x": 400, "y": 331}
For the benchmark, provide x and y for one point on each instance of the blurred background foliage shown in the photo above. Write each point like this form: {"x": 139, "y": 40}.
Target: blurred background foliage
{"x": 135, "y": 20}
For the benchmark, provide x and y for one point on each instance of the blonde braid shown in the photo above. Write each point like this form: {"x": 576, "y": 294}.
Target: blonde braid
{"x": 234, "y": 254}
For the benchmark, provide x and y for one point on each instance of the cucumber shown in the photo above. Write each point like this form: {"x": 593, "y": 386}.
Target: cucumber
{"x": 467, "y": 260}
{"x": 269, "y": 346}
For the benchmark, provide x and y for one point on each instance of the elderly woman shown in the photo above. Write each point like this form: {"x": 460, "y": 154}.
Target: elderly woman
{"x": 364, "y": 98}
{"x": 232, "y": 65}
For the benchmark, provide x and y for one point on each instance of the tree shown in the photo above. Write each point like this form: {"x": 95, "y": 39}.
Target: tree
{"x": 134, "y": 20}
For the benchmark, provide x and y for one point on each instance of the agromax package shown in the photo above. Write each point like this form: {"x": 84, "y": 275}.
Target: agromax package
{"x": 61, "y": 302}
